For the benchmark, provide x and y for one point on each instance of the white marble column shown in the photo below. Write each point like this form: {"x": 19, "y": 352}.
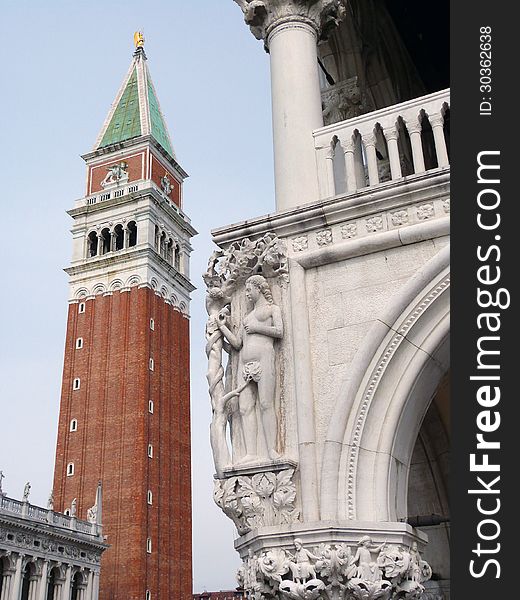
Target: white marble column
{"x": 95, "y": 587}
{"x": 42, "y": 588}
{"x": 33, "y": 587}
{"x": 16, "y": 588}
{"x": 290, "y": 30}
{"x": 67, "y": 586}
{"x": 6, "y": 583}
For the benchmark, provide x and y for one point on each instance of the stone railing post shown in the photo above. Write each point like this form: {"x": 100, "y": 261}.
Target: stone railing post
{"x": 393, "y": 152}
{"x": 437, "y": 123}
{"x": 369, "y": 141}
{"x": 413, "y": 125}
{"x": 291, "y": 30}
{"x": 350, "y": 164}
{"x": 329, "y": 161}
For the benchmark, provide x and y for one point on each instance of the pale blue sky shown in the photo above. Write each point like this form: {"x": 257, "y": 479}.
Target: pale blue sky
{"x": 63, "y": 61}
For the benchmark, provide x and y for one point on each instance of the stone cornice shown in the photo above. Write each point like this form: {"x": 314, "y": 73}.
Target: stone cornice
{"x": 25, "y": 532}
{"x": 390, "y": 196}
{"x": 264, "y": 16}
{"x": 177, "y": 216}
{"x": 129, "y": 257}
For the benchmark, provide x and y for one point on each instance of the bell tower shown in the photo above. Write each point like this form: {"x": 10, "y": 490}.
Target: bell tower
{"x": 124, "y": 415}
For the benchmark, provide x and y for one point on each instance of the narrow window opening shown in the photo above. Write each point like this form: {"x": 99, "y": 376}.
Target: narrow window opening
{"x": 74, "y": 425}
{"x": 70, "y": 469}
{"x": 67, "y": 512}
{"x": 150, "y": 497}
{"x": 150, "y": 406}
{"x": 152, "y": 324}
{"x": 119, "y": 237}
{"x": 148, "y": 595}
{"x": 151, "y": 364}
{"x": 81, "y": 308}
{"x": 132, "y": 234}
{"x": 106, "y": 241}
{"x": 79, "y": 343}
{"x": 76, "y": 384}
{"x": 150, "y": 451}
{"x": 149, "y": 545}
{"x": 92, "y": 244}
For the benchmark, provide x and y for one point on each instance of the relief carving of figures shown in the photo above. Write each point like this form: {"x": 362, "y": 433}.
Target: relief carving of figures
{"x": 255, "y": 343}
{"x": 116, "y": 173}
{"x": 243, "y": 393}
{"x": 333, "y": 572}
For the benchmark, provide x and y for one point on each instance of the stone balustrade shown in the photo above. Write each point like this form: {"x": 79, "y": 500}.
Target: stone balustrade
{"x": 45, "y": 555}
{"x": 390, "y": 144}
{"x": 131, "y": 188}
{"x": 18, "y": 508}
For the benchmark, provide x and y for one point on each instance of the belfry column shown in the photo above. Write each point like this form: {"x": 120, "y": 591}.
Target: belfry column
{"x": 291, "y": 30}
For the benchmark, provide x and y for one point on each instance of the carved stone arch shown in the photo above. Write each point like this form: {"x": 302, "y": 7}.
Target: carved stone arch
{"x": 115, "y": 285}
{"x": 154, "y": 283}
{"x": 133, "y": 280}
{"x": 82, "y": 293}
{"x": 99, "y": 288}
{"x": 183, "y": 308}
{"x": 174, "y": 300}
{"x": 384, "y": 398}
{"x": 164, "y": 291}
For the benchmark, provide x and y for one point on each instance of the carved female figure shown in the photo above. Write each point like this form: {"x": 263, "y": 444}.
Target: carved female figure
{"x": 255, "y": 343}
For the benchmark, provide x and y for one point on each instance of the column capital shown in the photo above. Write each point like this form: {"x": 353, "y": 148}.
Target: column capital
{"x": 390, "y": 133}
{"x": 436, "y": 120}
{"x": 264, "y": 16}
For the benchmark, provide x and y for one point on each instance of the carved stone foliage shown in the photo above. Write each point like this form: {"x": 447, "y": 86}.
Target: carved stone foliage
{"x": 249, "y": 339}
{"x": 263, "y": 16}
{"x": 300, "y": 243}
{"x": 349, "y": 230}
{"x": 324, "y": 238}
{"x": 257, "y": 501}
{"x": 266, "y": 256}
{"x": 425, "y": 211}
{"x": 336, "y": 571}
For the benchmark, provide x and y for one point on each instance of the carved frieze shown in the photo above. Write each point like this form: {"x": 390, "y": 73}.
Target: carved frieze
{"x": 249, "y": 339}
{"x": 366, "y": 572}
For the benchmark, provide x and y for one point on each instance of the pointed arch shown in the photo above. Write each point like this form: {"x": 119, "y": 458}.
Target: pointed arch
{"x": 377, "y": 416}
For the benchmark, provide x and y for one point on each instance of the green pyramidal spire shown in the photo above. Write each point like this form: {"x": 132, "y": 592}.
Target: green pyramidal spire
{"x": 135, "y": 111}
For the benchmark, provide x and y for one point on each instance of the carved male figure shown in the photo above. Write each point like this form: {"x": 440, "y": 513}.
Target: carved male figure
{"x": 255, "y": 342}
{"x": 301, "y": 567}
{"x": 367, "y": 568}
